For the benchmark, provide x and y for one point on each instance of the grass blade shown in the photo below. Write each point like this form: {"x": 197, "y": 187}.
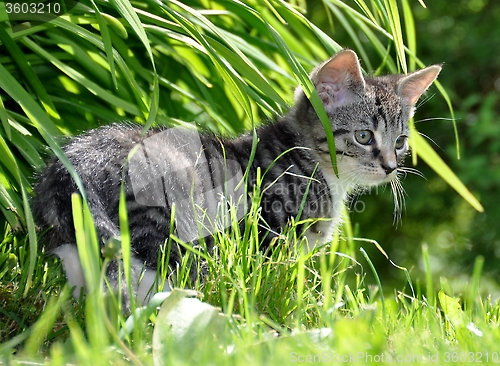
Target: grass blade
{"x": 431, "y": 158}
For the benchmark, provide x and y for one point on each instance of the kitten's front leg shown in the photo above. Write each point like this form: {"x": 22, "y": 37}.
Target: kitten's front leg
{"x": 320, "y": 233}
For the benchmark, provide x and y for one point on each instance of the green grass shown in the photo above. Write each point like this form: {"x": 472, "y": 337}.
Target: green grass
{"x": 227, "y": 66}
{"x": 278, "y": 306}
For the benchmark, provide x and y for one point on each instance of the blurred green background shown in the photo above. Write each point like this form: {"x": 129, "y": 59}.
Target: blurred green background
{"x": 465, "y": 36}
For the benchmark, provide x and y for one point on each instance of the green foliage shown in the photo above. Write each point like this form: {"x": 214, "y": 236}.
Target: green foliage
{"x": 348, "y": 321}
{"x": 229, "y": 65}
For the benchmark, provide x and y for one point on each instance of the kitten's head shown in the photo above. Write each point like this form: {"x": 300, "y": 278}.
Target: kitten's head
{"x": 369, "y": 117}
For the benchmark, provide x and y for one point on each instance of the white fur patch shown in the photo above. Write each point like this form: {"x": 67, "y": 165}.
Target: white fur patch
{"x": 68, "y": 253}
{"x": 145, "y": 286}
{"x": 322, "y": 232}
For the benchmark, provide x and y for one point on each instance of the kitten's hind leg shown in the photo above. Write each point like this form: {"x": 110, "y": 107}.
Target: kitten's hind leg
{"x": 68, "y": 253}
{"x": 143, "y": 277}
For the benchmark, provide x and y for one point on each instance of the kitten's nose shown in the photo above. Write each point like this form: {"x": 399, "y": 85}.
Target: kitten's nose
{"x": 389, "y": 166}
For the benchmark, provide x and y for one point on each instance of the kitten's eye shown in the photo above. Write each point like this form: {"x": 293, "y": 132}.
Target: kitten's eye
{"x": 400, "y": 142}
{"x": 364, "y": 137}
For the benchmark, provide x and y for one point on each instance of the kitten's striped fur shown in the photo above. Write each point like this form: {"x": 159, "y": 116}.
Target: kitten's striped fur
{"x": 368, "y": 118}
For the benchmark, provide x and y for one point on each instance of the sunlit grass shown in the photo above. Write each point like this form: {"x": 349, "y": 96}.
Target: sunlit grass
{"x": 227, "y": 66}
{"x": 281, "y": 305}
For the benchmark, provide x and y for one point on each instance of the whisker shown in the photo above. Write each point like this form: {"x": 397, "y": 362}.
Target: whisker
{"x": 431, "y": 140}
{"x": 424, "y": 100}
{"x": 436, "y": 119}
{"x": 405, "y": 170}
{"x": 396, "y": 201}
{"x": 399, "y": 200}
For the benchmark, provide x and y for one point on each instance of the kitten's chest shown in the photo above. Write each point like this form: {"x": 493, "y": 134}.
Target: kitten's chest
{"x": 297, "y": 188}
{"x": 323, "y": 230}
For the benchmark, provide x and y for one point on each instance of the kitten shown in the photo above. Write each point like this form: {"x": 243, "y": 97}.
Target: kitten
{"x": 175, "y": 167}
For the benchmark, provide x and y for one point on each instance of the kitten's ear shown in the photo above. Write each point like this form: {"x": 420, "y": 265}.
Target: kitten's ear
{"x": 412, "y": 86}
{"x": 339, "y": 80}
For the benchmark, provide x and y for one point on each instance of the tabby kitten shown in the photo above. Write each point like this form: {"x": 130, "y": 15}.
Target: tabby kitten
{"x": 169, "y": 167}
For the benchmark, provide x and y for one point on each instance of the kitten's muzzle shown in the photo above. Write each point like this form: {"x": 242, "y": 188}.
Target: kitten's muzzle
{"x": 389, "y": 166}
